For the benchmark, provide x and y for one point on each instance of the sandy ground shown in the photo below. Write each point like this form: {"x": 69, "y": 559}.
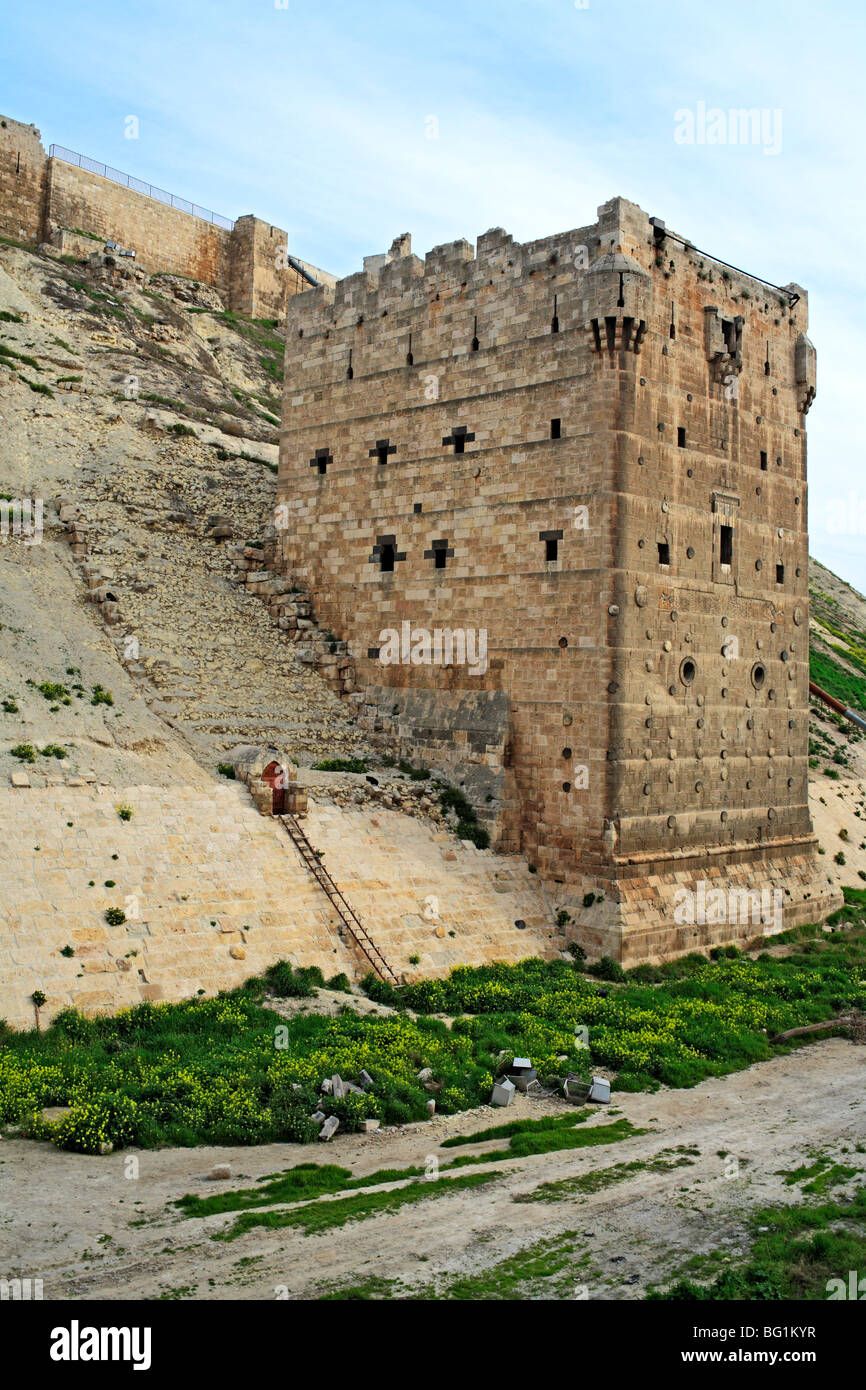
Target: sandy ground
{"x": 92, "y": 1229}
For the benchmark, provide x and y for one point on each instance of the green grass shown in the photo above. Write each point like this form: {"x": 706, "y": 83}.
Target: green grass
{"x": 207, "y": 1071}
{"x": 519, "y": 1127}
{"x": 833, "y": 678}
{"x": 554, "y": 1140}
{"x": 803, "y": 1248}
{"x": 818, "y": 1177}
{"x": 599, "y": 1178}
{"x": 19, "y": 357}
{"x": 548, "y": 1269}
{"x": 304, "y": 1182}
{"x": 325, "y": 1216}
{"x": 340, "y": 765}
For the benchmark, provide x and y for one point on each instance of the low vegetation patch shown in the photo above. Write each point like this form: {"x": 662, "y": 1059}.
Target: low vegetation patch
{"x": 802, "y": 1252}
{"x": 598, "y": 1178}
{"x": 322, "y": 1216}
{"x": 231, "y": 1071}
{"x": 340, "y": 765}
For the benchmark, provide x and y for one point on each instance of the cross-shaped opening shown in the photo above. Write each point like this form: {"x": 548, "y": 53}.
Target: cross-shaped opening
{"x": 459, "y": 437}
{"x": 382, "y": 449}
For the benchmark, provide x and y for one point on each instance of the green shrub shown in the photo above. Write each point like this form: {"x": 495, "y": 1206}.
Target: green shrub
{"x": 417, "y": 774}
{"x": 115, "y": 916}
{"x": 286, "y": 983}
{"x": 101, "y": 696}
{"x": 340, "y": 765}
{"x": 351, "y": 1110}
{"x": 469, "y": 830}
{"x": 634, "y": 1081}
{"x": 226, "y": 770}
{"x": 25, "y": 752}
{"x": 607, "y": 969}
{"x": 340, "y": 983}
{"x": 54, "y": 691}
{"x": 97, "y": 1122}
{"x": 290, "y": 1112}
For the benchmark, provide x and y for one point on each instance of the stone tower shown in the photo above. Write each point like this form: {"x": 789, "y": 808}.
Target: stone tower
{"x": 554, "y": 497}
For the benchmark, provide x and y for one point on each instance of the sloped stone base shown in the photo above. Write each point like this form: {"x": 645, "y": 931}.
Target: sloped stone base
{"x": 649, "y": 917}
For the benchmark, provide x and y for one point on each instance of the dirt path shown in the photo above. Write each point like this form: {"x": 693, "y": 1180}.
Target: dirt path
{"x": 92, "y": 1229}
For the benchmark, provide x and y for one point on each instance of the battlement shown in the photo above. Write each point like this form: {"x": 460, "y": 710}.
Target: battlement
{"x": 613, "y": 281}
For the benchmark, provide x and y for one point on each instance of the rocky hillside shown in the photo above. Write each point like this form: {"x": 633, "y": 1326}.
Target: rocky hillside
{"x": 145, "y": 418}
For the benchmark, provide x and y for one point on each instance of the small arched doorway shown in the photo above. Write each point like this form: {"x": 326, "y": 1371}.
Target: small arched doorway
{"x": 277, "y": 779}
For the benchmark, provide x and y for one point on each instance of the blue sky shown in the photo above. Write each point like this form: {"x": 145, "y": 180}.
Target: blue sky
{"x": 316, "y": 117}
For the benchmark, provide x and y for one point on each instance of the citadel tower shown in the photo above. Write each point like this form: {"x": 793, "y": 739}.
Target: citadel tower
{"x": 582, "y": 463}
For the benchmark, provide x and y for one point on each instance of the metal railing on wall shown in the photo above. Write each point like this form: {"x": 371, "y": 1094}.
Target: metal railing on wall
{"x": 92, "y": 166}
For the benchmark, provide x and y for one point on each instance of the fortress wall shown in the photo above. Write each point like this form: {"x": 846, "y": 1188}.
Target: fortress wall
{"x": 675, "y": 673}
{"x": 490, "y": 503}
{"x": 22, "y": 181}
{"x": 40, "y": 197}
{"x": 220, "y": 893}
{"x": 163, "y": 237}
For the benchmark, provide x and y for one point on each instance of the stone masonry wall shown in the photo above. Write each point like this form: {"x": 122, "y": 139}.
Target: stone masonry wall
{"x": 592, "y": 447}
{"x": 42, "y": 197}
{"x": 163, "y": 237}
{"x": 214, "y": 892}
{"x": 22, "y": 181}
